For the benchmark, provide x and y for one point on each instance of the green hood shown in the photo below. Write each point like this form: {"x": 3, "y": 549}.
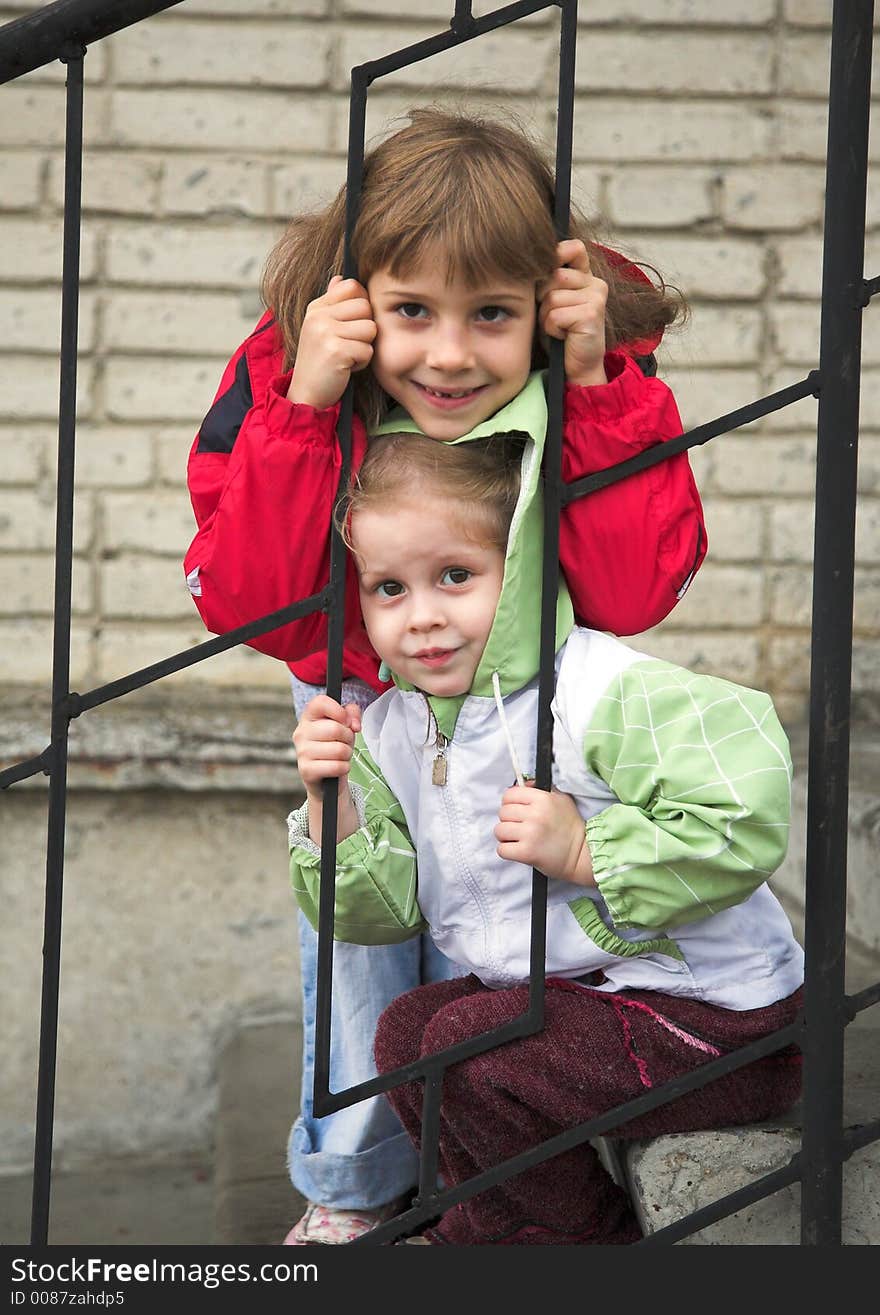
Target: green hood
{"x": 513, "y": 646}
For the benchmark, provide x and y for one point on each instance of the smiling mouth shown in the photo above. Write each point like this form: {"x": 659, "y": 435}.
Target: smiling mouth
{"x": 449, "y": 394}
{"x": 434, "y": 657}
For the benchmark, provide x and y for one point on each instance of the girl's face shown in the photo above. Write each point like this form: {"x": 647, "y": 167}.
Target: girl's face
{"x": 450, "y": 353}
{"x": 428, "y": 591}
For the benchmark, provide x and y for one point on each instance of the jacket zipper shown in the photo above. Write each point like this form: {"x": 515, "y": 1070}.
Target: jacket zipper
{"x": 461, "y": 864}
{"x": 439, "y": 767}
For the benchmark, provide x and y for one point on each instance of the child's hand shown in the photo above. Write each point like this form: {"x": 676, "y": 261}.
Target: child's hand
{"x": 336, "y": 338}
{"x": 572, "y": 307}
{"x": 546, "y": 831}
{"x": 324, "y": 737}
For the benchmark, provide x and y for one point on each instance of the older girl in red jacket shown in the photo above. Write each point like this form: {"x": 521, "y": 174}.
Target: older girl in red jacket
{"x": 461, "y": 281}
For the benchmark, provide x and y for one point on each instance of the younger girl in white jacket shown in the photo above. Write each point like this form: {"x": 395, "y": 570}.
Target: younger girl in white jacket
{"x": 669, "y": 811}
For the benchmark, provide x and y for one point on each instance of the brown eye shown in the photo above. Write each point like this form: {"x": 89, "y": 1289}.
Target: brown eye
{"x": 456, "y": 575}
{"x": 493, "y": 314}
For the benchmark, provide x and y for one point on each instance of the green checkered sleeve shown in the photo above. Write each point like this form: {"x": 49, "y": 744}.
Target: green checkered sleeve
{"x": 702, "y": 770}
{"x": 376, "y": 874}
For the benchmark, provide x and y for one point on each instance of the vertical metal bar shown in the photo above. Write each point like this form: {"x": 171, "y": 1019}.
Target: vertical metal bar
{"x": 830, "y": 680}
{"x": 552, "y": 499}
{"x": 463, "y": 17}
{"x": 430, "y": 1150}
{"x": 336, "y": 621}
{"x": 60, "y": 654}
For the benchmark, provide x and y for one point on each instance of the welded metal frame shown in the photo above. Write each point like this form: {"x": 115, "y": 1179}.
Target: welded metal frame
{"x": 62, "y": 31}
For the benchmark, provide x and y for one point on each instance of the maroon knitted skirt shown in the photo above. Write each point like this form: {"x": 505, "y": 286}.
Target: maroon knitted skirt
{"x": 597, "y": 1050}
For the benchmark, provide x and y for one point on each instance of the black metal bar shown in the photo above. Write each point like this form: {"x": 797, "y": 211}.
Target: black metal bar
{"x": 831, "y": 656}
{"x": 78, "y": 703}
{"x": 652, "y": 456}
{"x": 36, "y": 39}
{"x": 336, "y": 626}
{"x": 29, "y": 767}
{"x": 60, "y": 655}
{"x": 854, "y": 1139}
{"x": 430, "y": 1147}
{"x": 478, "y": 1045}
{"x": 463, "y": 18}
{"x": 458, "y": 33}
{"x": 869, "y": 288}
{"x": 552, "y": 471}
{"x": 864, "y": 999}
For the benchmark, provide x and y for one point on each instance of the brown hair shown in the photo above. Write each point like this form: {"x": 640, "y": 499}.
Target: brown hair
{"x": 481, "y": 478}
{"x": 479, "y": 190}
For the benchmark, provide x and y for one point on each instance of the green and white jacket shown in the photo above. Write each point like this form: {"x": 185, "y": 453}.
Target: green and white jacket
{"x": 683, "y": 782}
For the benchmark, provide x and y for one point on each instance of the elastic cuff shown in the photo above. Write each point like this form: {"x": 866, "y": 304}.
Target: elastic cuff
{"x": 602, "y": 863}
{"x": 623, "y": 393}
{"x": 306, "y": 424}
{"x": 298, "y": 826}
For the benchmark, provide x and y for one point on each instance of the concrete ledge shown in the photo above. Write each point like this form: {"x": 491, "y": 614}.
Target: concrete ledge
{"x": 670, "y": 1177}
{"x": 147, "y": 741}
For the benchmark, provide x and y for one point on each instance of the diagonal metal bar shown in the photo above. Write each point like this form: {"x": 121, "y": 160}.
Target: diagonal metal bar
{"x": 831, "y": 652}
{"x": 78, "y": 703}
{"x": 28, "y": 767}
{"x": 460, "y": 30}
{"x": 869, "y": 996}
{"x": 869, "y": 289}
{"x": 39, "y": 38}
{"x": 855, "y": 1139}
{"x": 652, "y": 456}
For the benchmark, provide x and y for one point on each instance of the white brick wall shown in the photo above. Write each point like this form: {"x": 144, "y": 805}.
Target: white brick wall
{"x": 699, "y": 142}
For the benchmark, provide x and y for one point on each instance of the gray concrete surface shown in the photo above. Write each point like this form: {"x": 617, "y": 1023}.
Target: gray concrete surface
{"x": 117, "y": 1202}
{"x": 259, "y": 1079}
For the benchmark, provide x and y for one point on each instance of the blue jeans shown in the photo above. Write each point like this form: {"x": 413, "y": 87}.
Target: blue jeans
{"x": 360, "y": 1157}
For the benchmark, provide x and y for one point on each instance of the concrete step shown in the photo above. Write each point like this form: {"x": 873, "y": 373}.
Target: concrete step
{"x": 258, "y": 1097}
{"x": 670, "y": 1177}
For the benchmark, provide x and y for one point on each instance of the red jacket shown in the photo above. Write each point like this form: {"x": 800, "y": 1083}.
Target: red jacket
{"x": 263, "y": 473}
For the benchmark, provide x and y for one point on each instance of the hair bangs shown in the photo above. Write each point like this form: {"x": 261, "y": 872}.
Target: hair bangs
{"x": 483, "y": 220}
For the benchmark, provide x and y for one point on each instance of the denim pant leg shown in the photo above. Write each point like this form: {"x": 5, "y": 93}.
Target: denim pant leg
{"x": 359, "y": 1157}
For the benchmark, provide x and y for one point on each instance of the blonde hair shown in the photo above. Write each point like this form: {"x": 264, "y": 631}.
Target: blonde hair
{"x": 481, "y": 478}
{"x": 477, "y": 189}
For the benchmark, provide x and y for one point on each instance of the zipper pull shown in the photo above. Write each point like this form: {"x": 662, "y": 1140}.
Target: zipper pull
{"x": 438, "y": 770}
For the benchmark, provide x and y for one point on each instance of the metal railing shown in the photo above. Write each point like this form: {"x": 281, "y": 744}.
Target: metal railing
{"x": 63, "y": 31}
